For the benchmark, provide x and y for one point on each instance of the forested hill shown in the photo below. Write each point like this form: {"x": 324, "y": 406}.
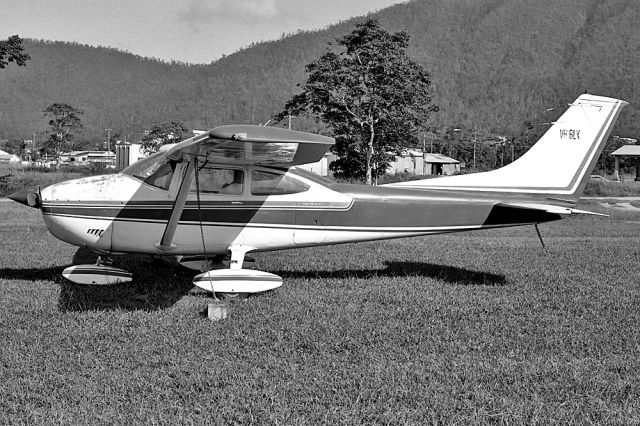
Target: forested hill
{"x": 494, "y": 63}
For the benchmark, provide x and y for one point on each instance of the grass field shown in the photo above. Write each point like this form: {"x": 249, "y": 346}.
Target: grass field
{"x": 481, "y": 327}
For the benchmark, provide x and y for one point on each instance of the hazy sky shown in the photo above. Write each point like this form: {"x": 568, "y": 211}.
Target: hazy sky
{"x": 197, "y": 31}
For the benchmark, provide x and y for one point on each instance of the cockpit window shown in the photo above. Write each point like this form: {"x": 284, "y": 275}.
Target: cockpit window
{"x": 155, "y": 170}
{"x": 269, "y": 183}
{"x": 219, "y": 181}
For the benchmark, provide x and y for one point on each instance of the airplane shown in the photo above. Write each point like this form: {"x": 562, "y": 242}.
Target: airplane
{"x": 237, "y": 189}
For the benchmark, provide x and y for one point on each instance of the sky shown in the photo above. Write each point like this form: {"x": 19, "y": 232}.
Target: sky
{"x": 195, "y": 31}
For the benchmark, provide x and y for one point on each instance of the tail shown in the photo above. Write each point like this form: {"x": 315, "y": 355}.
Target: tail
{"x": 558, "y": 165}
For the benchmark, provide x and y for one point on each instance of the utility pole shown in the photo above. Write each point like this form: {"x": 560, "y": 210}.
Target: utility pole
{"x": 108, "y": 139}
{"x": 474, "y": 149}
{"x": 424, "y": 154}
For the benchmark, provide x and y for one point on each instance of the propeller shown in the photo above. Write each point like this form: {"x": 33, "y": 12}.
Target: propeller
{"x": 29, "y": 197}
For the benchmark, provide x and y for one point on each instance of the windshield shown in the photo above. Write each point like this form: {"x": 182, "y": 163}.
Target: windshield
{"x": 155, "y": 170}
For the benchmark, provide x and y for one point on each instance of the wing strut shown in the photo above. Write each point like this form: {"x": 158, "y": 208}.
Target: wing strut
{"x": 178, "y": 206}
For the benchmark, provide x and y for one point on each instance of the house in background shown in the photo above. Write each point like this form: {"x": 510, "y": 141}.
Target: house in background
{"x": 416, "y": 162}
{"x": 411, "y": 161}
{"x": 11, "y": 159}
{"x": 320, "y": 167}
{"x": 128, "y": 153}
{"x": 83, "y": 158}
{"x": 632, "y": 155}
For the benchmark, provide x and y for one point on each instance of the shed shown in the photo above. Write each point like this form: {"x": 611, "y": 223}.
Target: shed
{"x": 78, "y": 158}
{"x": 630, "y": 151}
{"x": 423, "y": 164}
{"x": 6, "y": 157}
{"x": 127, "y": 154}
{"x": 320, "y": 167}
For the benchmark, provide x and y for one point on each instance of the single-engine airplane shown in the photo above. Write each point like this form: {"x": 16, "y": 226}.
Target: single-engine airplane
{"x": 236, "y": 189}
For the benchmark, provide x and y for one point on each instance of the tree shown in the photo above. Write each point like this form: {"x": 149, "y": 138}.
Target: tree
{"x": 11, "y": 50}
{"x": 374, "y": 97}
{"x": 164, "y": 133}
{"x": 64, "y": 122}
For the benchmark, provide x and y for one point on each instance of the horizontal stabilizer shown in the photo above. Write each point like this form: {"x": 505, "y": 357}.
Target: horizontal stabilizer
{"x": 552, "y": 209}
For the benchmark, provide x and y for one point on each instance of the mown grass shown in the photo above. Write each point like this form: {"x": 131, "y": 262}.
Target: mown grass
{"x": 482, "y": 327}
{"x": 612, "y": 189}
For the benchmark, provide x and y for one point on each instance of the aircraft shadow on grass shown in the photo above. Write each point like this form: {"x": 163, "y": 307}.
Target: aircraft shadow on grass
{"x": 156, "y": 285}
{"x": 448, "y": 274}
{"x": 31, "y": 274}
{"x": 160, "y": 284}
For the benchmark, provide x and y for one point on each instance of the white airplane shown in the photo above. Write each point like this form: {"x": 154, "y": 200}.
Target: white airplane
{"x": 236, "y": 190}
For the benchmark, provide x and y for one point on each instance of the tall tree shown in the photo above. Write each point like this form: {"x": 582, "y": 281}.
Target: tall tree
{"x": 374, "y": 97}
{"x": 11, "y": 50}
{"x": 64, "y": 122}
{"x": 164, "y": 133}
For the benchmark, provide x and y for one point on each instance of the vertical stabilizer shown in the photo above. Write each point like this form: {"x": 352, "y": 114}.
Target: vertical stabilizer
{"x": 559, "y": 164}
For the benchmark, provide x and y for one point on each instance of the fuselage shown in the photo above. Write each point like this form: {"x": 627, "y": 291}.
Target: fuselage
{"x": 259, "y": 207}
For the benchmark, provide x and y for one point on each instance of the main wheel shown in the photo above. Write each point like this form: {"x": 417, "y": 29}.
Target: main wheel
{"x": 232, "y": 296}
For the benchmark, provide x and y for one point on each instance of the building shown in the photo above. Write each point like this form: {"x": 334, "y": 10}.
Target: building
{"x": 83, "y": 158}
{"x": 627, "y": 151}
{"x": 128, "y": 153}
{"x": 7, "y": 158}
{"x": 416, "y": 162}
{"x": 320, "y": 167}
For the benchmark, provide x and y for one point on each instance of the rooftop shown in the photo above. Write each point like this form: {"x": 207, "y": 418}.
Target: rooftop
{"x": 627, "y": 150}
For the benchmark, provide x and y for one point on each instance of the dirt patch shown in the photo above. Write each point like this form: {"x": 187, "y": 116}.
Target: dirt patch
{"x": 626, "y": 206}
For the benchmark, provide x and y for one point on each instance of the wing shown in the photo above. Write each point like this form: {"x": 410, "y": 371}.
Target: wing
{"x": 257, "y": 145}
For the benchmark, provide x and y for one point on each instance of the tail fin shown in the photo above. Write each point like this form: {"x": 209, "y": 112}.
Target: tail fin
{"x": 558, "y": 165}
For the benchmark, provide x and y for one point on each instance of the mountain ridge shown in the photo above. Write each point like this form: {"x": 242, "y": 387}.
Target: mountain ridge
{"x": 494, "y": 63}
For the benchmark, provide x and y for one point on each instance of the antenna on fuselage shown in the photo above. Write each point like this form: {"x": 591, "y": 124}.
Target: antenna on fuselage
{"x": 540, "y": 236}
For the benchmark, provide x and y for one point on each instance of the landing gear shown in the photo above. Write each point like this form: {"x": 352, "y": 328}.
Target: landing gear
{"x": 104, "y": 261}
{"x": 231, "y": 296}
{"x": 100, "y": 273}
{"x": 236, "y": 282}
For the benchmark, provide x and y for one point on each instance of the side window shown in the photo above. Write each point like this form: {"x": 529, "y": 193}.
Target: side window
{"x": 219, "y": 181}
{"x": 269, "y": 183}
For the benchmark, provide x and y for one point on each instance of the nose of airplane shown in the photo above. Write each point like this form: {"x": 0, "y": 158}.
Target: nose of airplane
{"x": 29, "y": 197}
